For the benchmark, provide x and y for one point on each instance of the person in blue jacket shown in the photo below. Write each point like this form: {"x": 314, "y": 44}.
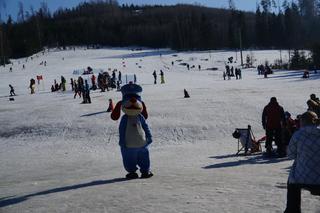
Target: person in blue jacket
{"x": 135, "y": 135}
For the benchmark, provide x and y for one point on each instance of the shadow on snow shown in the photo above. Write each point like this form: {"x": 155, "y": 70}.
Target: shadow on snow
{"x": 140, "y": 54}
{"x": 257, "y": 159}
{"x": 7, "y": 201}
{"x": 91, "y": 114}
{"x": 297, "y": 75}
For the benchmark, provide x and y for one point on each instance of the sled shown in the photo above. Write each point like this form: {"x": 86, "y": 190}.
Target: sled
{"x": 247, "y": 141}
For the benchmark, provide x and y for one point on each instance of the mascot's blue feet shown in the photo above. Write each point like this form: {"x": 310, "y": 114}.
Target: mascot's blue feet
{"x": 146, "y": 175}
{"x": 132, "y": 175}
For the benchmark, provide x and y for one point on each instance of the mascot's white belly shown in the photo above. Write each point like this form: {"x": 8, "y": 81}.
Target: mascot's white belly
{"x": 135, "y": 135}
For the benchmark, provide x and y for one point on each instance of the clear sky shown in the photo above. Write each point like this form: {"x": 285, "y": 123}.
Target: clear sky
{"x": 11, "y": 6}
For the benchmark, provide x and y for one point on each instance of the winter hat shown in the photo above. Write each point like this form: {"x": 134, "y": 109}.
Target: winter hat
{"x": 131, "y": 90}
{"x": 273, "y": 99}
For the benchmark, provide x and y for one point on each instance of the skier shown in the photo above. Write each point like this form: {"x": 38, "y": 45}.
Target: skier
{"x": 155, "y": 77}
{"x": 12, "y": 90}
{"x": 224, "y": 75}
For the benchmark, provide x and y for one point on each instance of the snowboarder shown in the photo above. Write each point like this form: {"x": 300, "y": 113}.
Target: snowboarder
{"x": 155, "y": 77}
{"x": 12, "y": 90}
{"x": 162, "y": 77}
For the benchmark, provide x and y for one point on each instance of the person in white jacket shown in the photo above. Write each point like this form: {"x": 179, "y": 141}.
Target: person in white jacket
{"x": 304, "y": 148}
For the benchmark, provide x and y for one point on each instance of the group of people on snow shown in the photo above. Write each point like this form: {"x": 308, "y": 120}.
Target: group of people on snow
{"x": 264, "y": 70}
{"x": 298, "y": 139}
{"x": 161, "y": 77}
{"x": 56, "y": 87}
{"x": 232, "y": 72}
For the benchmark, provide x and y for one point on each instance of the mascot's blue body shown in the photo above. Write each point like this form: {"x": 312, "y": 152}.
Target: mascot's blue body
{"x": 135, "y": 135}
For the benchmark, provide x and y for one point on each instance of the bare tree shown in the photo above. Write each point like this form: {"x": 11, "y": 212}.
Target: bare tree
{"x": 232, "y": 6}
{"x": 20, "y": 16}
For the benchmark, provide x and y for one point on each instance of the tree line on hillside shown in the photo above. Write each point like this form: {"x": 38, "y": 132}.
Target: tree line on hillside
{"x": 294, "y": 25}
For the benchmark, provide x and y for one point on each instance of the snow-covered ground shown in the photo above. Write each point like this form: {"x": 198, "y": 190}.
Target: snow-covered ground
{"x": 58, "y": 155}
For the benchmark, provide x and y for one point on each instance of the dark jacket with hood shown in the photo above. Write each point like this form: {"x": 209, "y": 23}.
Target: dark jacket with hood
{"x": 273, "y": 116}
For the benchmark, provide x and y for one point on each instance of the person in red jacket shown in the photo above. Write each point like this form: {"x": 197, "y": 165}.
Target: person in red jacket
{"x": 273, "y": 119}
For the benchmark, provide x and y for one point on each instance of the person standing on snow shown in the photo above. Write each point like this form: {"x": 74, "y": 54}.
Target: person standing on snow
{"x": 304, "y": 148}
{"x": 63, "y": 83}
{"x": 120, "y": 77}
{"x": 273, "y": 119}
{"x": 155, "y": 77}
{"x": 32, "y": 85}
{"x": 162, "y": 77}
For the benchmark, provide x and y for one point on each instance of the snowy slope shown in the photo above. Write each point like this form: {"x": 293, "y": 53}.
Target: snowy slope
{"x": 58, "y": 155}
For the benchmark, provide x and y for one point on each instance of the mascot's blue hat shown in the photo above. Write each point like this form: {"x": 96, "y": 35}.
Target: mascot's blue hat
{"x": 131, "y": 90}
